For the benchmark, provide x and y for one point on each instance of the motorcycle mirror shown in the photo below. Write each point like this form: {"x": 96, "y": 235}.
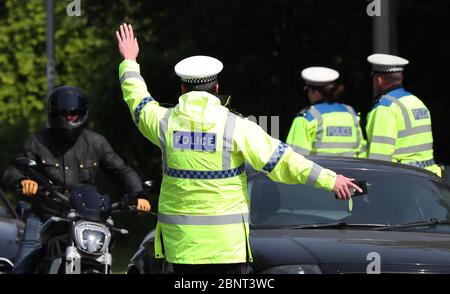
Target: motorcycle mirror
{"x": 23, "y": 161}
{"x": 5, "y": 265}
{"x": 149, "y": 184}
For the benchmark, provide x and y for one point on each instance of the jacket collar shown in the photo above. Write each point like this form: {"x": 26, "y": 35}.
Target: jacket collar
{"x": 198, "y": 106}
{"x": 387, "y": 91}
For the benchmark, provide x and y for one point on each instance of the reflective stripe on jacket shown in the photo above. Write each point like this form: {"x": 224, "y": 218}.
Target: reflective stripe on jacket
{"x": 204, "y": 203}
{"x": 327, "y": 129}
{"x": 399, "y": 129}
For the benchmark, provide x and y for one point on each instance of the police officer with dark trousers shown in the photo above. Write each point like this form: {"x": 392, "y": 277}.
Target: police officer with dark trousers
{"x": 67, "y": 154}
{"x": 399, "y": 124}
{"x": 203, "y": 224}
{"x": 326, "y": 127}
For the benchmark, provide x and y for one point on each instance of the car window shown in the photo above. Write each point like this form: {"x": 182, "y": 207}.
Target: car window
{"x": 391, "y": 200}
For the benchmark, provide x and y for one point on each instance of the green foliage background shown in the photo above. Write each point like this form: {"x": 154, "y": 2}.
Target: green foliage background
{"x": 23, "y": 65}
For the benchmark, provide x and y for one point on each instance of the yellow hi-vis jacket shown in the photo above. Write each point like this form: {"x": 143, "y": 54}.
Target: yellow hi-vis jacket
{"x": 399, "y": 129}
{"x": 204, "y": 204}
{"x": 327, "y": 129}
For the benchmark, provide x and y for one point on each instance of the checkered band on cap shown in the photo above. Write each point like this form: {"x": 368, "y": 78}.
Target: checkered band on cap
{"x": 386, "y": 63}
{"x": 387, "y": 68}
{"x": 198, "y": 69}
{"x": 199, "y": 80}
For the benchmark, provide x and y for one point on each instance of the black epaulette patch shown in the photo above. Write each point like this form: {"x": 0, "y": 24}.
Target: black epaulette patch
{"x": 303, "y": 111}
{"x": 237, "y": 113}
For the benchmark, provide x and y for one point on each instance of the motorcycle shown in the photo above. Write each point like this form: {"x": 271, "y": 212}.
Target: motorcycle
{"x": 80, "y": 234}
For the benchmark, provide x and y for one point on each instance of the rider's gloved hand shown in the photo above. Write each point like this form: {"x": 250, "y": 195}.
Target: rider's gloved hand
{"x": 29, "y": 187}
{"x": 143, "y": 205}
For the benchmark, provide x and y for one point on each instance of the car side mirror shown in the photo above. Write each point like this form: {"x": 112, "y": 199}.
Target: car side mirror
{"x": 5, "y": 265}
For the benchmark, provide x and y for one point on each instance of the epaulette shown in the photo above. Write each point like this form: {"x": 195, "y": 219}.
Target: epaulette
{"x": 237, "y": 113}
{"x": 303, "y": 111}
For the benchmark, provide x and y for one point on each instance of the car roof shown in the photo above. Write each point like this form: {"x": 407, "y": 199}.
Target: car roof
{"x": 363, "y": 164}
{"x": 372, "y": 164}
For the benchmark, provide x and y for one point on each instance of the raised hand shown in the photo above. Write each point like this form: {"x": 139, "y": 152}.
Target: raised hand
{"x": 128, "y": 44}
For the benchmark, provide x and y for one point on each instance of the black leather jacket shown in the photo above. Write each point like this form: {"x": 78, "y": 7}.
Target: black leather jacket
{"x": 68, "y": 165}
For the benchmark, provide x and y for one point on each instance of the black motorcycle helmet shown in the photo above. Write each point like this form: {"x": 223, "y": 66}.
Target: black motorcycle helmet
{"x": 62, "y": 102}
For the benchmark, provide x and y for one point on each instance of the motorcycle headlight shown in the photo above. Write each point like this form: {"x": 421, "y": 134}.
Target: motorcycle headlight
{"x": 92, "y": 237}
{"x": 293, "y": 269}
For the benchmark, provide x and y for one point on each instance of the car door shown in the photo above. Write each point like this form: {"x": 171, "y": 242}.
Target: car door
{"x": 11, "y": 230}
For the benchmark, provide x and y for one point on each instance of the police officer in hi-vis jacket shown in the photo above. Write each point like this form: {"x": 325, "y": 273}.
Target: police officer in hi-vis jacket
{"x": 399, "y": 124}
{"x": 203, "y": 206}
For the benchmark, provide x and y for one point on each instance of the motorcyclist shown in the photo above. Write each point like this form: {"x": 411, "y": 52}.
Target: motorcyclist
{"x": 68, "y": 154}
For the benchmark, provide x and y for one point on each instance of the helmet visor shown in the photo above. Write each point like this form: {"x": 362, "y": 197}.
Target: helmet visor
{"x": 70, "y": 103}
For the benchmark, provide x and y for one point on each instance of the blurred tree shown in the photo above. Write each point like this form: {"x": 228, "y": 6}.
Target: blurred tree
{"x": 23, "y": 65}
{"x": 22, "y": 61}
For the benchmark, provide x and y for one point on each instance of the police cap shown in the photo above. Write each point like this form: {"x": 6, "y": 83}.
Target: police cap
{"x": 385, "y": 63}
{"x": 319, "y": 76}
{"x": 198, "y": 69}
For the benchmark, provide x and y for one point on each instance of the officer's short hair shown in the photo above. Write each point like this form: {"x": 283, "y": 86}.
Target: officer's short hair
{"x": 393, "y": 78}
{"x": 207, "y": 87}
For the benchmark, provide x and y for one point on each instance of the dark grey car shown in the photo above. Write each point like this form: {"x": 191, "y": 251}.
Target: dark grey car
{"x": 401, "y": 226}
{"x": 11, "y": 229}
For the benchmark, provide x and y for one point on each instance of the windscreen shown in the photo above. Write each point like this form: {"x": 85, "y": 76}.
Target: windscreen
{"x": 391, "y": 200}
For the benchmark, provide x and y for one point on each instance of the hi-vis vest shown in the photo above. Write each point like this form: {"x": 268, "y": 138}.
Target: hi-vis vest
{"x": 204, "y": 204}
{"x": 327, "y": 129}
{"x": 399, "y": 129}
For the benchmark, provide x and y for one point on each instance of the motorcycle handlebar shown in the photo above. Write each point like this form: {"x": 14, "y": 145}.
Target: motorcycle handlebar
{"x": 115, "y": 206}
{"x": 44, "y": 191}
{"x": 61, "y": 196}
{"x": 121, "y": 207}
{"x": 48, "y": 189}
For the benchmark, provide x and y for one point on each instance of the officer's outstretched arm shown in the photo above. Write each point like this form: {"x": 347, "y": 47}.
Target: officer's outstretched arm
{"x": 277, "y": 159}
{"x": 144, "y": 109}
